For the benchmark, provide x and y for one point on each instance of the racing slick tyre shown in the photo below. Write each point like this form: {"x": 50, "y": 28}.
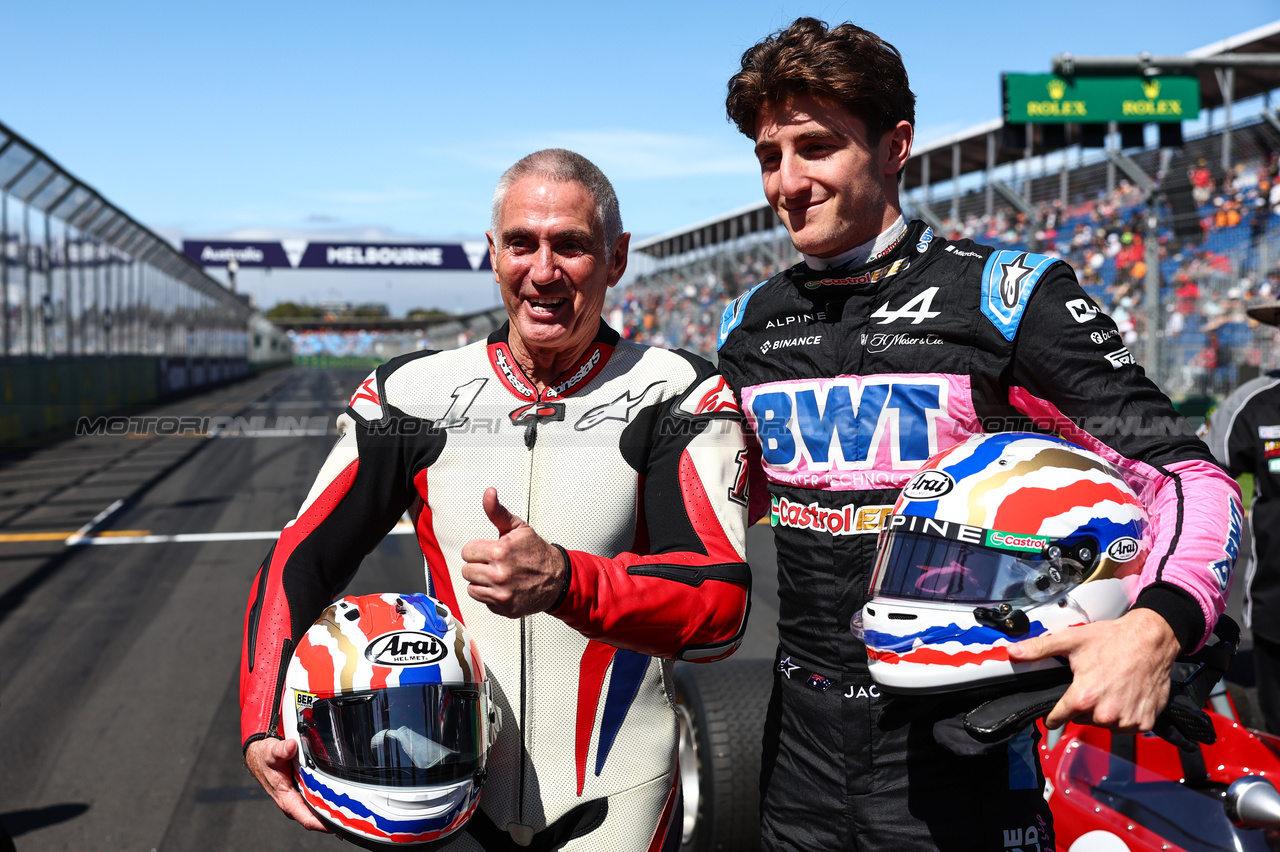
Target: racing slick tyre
{"x": 721, "y": 709}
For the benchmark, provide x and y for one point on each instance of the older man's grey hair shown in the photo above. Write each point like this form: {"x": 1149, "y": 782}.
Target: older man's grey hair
{"x": 560, "y": 165}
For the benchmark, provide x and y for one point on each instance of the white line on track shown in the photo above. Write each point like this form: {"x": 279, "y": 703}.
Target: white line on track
{"x": 401, "y": 528}
{"x": 80, "y": 534}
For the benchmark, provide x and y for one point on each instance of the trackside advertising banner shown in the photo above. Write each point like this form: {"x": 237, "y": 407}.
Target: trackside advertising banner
{"x": 302, "y": 254}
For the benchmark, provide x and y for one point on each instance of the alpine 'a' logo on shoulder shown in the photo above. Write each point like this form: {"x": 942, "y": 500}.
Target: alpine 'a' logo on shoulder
{"x": 406, "y": 648}
{"x": 929, "y": 485}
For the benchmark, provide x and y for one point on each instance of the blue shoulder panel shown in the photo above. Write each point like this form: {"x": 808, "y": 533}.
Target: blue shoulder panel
{"x": 733, "y": 314}
{"x": 1007, "y": 282}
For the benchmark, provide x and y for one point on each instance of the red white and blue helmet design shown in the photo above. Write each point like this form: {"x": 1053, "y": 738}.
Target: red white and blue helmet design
{"x": 388, "y": 700}
{"x": 999, "y": 539}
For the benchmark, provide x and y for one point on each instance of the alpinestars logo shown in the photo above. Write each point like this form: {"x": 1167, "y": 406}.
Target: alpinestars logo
{"x": 719, "y": 398}
{"x": 366, "y": 391}
{"x": 581, "y": 373}
{"x": 510, "y": 375}
{"x": 619, "y": 409}
{"x": 1011, "y": 275}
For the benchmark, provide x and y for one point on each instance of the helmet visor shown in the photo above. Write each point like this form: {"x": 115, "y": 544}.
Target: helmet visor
{"x": 404, "y": 736}
{"x": 914, "y": 566}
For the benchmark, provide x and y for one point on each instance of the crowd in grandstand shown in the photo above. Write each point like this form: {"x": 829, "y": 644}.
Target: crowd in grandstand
{"x": 1209, "y": 344}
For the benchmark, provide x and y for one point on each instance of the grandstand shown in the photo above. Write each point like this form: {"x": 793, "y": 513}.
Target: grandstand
{"x": 1218, "y": 235}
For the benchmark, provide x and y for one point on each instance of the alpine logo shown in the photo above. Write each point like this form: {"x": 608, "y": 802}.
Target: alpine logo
{"x": 406, "y": 648}
{"x": 918, "y": 309}
{"x": 782, "y": 322}
{"x": 619, "y": 409}
{"x": 929, "y": 485}
{"x": 1123, "y": 549}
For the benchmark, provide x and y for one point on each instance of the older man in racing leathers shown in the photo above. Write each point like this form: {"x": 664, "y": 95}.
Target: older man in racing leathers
{"x": 885, "y": 346}
{"x": 630, "y": 458}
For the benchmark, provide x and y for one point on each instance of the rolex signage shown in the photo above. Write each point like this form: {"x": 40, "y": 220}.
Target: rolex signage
{"x": 1050, "y": 99}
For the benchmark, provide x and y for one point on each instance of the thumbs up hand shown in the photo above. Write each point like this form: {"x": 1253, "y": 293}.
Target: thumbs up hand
{"x": 517, "y": 574}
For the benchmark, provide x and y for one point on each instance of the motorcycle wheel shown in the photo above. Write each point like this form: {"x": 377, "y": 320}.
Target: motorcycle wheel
{"x": 721, "y": 709}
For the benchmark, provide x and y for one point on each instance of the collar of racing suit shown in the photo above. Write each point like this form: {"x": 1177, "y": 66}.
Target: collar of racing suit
{"x": 872, "y": 250}
{"x": 913, "y": 240}
{"x": 590, "y": 361}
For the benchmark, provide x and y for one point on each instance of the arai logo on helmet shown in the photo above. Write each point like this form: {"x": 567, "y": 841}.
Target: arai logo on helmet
{"x": 406, "y": 648}
{"x": 929, "y": 485}
{"x": 1122, "y": 549}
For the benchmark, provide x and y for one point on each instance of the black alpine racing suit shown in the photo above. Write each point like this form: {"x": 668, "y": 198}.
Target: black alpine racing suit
{"x": 850, "y": 379}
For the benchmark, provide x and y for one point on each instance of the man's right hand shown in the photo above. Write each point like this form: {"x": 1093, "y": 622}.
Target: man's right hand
{"x": 271, "y": 762}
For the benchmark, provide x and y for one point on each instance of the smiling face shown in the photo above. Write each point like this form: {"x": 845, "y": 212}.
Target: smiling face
{"x": 550, "y": 260}
{"x": 832, "y": 187}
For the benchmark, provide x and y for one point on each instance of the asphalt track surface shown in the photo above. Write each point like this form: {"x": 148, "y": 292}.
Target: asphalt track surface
{"x": 125, "y": 565}
{"x": 119, "y": 652}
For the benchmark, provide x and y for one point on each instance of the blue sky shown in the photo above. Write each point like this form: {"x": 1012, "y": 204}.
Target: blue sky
{"x": 395, "y": 118}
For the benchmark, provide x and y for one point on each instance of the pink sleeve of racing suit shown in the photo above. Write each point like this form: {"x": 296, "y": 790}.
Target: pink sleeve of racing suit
{"x": 1068, "y": 382}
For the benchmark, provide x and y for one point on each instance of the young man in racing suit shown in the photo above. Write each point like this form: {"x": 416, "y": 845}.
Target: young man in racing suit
{"x": 885, "y": 346}
{"x": 630, "y": 458}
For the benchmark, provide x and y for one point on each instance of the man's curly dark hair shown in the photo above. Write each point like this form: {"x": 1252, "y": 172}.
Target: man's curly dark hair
{"x": 847, "y": 65}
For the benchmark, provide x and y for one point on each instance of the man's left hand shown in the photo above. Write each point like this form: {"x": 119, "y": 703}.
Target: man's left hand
{"x": 1120, "y": 670}
{"x": 519, "y": 573}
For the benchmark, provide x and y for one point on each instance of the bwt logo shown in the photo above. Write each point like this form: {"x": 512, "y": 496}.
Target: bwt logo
{"x": 406, "y": 648}
{"x": 842, "y": 424}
